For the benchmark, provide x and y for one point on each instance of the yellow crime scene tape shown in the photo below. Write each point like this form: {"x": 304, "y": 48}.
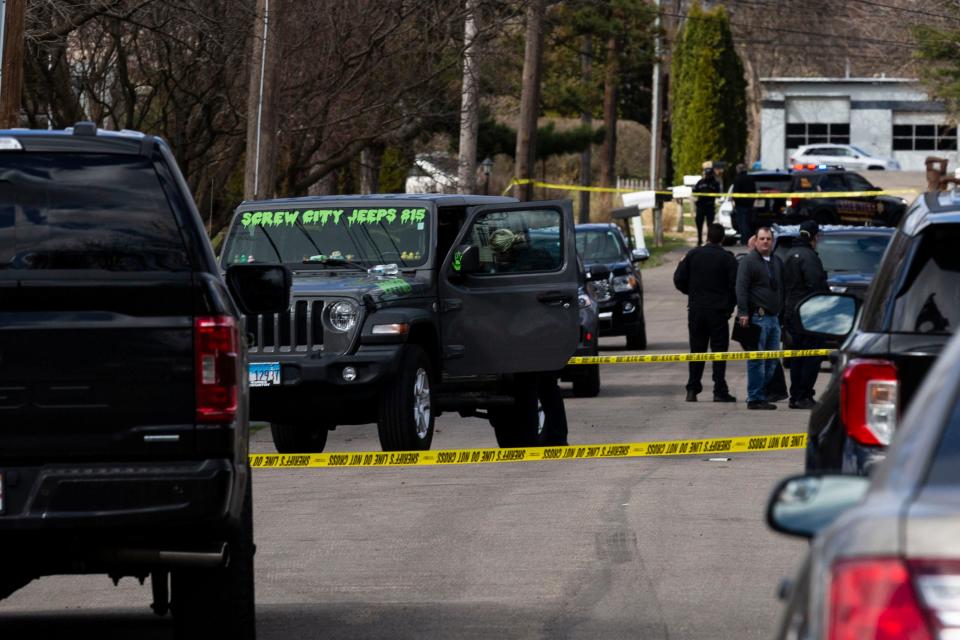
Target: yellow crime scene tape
{"x": 448, "y": 457}
{"x": 797, "y": 194}
{"x": 700, "y": 357}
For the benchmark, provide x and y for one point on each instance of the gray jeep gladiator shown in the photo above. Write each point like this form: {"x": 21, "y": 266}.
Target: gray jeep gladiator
{"x": 405, "y": 306}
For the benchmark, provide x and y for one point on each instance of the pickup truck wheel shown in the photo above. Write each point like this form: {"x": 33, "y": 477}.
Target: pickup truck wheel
{"x": 406, "y": 405}
{"x": 587, "y": 385}
{"x": 298, "y": 438}
{"x": 219, "y": 603}
{"x": 637, "y": 337}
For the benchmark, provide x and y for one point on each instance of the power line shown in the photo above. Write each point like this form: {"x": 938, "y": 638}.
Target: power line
{"x": 908, "y": 10}
{"x": 895, "y": 43}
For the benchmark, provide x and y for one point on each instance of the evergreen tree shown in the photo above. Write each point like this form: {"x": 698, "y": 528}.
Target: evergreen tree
{"x": 708, "y": 98}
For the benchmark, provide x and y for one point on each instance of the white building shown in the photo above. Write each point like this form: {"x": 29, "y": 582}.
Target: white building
{"x": 891, "y": 117}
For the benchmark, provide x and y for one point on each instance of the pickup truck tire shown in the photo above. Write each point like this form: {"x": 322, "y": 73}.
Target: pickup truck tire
{"x": 219, "y": 603}
{"x": 588, "y": 384}
{"x": 637, "y": 337}
{"x": 298, "y": 438}
{"x": 534, "y": 420}
{"x": 406, "y": 405}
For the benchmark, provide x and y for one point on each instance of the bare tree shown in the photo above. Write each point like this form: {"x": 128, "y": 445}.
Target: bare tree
{"x": 529, "y": 99}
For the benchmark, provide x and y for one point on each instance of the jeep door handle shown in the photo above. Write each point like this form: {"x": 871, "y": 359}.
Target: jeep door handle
{"x": 555, "y": 298}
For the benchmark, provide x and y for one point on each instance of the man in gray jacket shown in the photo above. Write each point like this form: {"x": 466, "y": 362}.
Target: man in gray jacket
{"x": 759, "y": 302}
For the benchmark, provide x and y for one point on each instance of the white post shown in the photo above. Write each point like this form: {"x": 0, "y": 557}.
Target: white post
{"x": 655, "y": 130}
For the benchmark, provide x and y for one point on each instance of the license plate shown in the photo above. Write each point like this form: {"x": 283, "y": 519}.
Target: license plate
{"x": 759, "y": 204}
{"x": 264, "y": 374}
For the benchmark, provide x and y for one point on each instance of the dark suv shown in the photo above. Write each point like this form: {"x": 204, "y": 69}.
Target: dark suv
{"x": 408, "y": 305}
{"x": 123, "y": 396}
{"x": 911, "y": 309}
{"x": 616, "y": 281}
{"x": 859, "y": 208}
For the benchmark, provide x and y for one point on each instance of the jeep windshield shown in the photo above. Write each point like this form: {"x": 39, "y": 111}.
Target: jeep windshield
{"x": 332, "y": 236}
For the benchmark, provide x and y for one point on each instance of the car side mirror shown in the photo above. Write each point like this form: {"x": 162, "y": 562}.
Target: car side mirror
{"x": 260, "y": 288}
{"x": 639, "y": 255}
{"x": 828, "y": 315}
{"x": 466, "y": 259}
{"x": 805, "y": 505}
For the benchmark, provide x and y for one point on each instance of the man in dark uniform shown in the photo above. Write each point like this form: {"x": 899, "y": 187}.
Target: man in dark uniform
{"x": 743, "y": 207}
{"x": 705, "y": 204}
{"x": 803, "y": 274}
{"x": 708, "y": 276}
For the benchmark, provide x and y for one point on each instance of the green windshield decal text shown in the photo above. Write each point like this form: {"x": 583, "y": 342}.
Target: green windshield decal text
{"x": 332, "y": 216}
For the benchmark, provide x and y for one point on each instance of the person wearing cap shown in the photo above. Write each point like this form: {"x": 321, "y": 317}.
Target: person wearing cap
{"x": 803, "y": 274}
{"x": 705, "y": 204}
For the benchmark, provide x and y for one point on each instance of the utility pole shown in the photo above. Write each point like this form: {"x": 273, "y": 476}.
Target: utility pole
{"x": 529, "y": 100}
{"x": 655, "y": 131}
{"x": 11, "y": 66}
{"x": 586, "y": 118}
{"x": 260, "y": 171}
{"x": 469, "y": 104}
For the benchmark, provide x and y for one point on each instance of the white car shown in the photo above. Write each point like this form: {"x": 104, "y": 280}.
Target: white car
{"x": 725, "y": 217}
{"x": 848, "y": 155}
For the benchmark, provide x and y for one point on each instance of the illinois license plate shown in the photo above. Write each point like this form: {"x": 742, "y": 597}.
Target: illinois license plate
{"x": 264, "y": 374}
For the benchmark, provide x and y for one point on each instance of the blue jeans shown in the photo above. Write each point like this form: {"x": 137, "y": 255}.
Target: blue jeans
{"x": 759, "y": 372}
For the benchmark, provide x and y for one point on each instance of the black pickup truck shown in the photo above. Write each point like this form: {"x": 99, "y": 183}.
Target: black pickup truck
{"x": 123, "y": 378}
{"x": 405, "y": 306}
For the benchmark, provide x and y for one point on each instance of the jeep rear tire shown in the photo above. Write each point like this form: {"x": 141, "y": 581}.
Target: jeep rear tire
{"x": 406, "y": 405}
{"x": 219, "y": 603}
{"x": 588, "y": 384}
{"x": 536, "y": 418}
{"x": 298, "y": 438}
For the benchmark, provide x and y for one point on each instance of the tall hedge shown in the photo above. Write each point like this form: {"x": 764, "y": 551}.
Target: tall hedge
{"x": 708, "y": 114}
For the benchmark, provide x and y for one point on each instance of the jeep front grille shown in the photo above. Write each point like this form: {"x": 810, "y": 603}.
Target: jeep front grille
{"x": 298, "y": 329}
{"x": 601, "y": 288}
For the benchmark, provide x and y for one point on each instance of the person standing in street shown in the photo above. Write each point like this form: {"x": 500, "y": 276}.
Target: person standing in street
{"x": 803, "y": 274}
{"x": 708, "y": 276}
{"x": 705, "y": 204}
{"x": 743, "y": 207}
{"x": 759, "y": 300}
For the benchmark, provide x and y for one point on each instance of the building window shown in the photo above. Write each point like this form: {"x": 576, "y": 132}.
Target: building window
{"x": 924, "y": 137}
{"x": 801, "y": 133}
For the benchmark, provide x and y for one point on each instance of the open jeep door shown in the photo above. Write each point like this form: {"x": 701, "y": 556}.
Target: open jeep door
{"x": 508, "y": 290}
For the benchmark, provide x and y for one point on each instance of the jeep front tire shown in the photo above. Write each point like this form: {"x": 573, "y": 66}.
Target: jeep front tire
{"x": 406, "y": 405}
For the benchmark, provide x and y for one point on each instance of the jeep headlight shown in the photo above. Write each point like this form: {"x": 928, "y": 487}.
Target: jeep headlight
{"x": 343, "y": 315}
{"x": 624, "y": 283}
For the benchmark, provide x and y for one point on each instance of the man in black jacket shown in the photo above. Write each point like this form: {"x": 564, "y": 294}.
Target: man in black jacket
{"x": 705, "y": 204}
{"x": 759, "y": 300}
{"x": 708, "y": 276}
{"x": 743, "y": 207}
{"x": 803, "y": 274}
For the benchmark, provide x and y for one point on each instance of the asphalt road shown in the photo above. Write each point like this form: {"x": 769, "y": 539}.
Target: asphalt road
{"x": 639, "y": 548}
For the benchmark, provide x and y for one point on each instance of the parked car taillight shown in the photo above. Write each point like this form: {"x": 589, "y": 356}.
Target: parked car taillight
{"x": 794, "y": 203}
{"x": 874, "y": 598}
{"x": 869, "y": 397}
{"x": 938, "y": 585}
{"x": 216, "y": 340}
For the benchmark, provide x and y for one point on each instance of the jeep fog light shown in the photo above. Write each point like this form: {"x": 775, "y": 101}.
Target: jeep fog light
{"x": 349, "y": 374}
{"x": 343, "y": 315}
{"x": 629, "y": 307}
{"x": 395, "y": 329}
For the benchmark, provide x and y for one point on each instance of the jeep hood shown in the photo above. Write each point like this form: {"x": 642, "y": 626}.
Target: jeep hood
{"x": 355, "y": 284}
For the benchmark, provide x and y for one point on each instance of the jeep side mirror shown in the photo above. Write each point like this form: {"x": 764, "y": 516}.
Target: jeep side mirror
{"x": 639, "y": 255}
{"x": 260, "y": 288}
{"x": 466, "y": 259}
{"x": 829, "y": 315}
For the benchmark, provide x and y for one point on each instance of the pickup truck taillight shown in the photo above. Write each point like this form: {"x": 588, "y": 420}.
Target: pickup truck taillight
{"x": 216, "y": 340}
{"x": 874, "y": 598}
{"x": 869, "y": 398}
{"x": 794, "y": 203}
